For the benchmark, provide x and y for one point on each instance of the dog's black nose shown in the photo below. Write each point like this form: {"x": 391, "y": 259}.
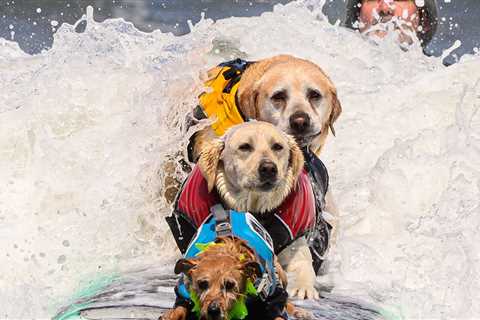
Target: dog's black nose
{"x": 214, "y": 310}
{"x": 267, "y": 171}
{"x": 299, "y": 122}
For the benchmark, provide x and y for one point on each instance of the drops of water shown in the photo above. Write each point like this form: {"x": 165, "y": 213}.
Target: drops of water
{"x": 93, "y": 118}
{"x": 61, "y": 259}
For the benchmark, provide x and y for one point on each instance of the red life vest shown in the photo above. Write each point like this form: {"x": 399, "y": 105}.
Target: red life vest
{"x": 297, "y": 212}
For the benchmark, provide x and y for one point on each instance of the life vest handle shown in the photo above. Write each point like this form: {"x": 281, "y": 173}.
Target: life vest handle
{"x": 223, "y": 226}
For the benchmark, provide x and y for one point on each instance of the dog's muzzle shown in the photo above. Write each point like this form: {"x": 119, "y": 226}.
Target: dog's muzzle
{"x": 268, "y": 173}
{"x": 214, "y": 312}
{"x": 300, "y": 123}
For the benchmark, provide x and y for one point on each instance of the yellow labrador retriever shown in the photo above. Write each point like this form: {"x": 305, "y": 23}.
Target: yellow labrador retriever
{"x": 292, "y": 93}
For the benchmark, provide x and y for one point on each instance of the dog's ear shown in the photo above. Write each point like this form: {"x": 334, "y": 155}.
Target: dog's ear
{"x": 252, "y": 269}
{"x": 208, "y": 161}
{"x": 296, "y": 156}
{"x": 336, "y": 110}
{"x": 247, "y": 102}
{"x": 249, "y": 88}
{"x": 184, "y": 266}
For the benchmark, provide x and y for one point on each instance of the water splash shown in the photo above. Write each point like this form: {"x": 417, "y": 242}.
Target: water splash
{"x": 86, "y": 125}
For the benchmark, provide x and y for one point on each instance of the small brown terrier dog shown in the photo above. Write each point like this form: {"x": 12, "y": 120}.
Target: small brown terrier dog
{"x": 218, "y": 276}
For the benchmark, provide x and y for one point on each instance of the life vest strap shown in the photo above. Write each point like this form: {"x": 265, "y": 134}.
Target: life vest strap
{"x": 263, "y": 286}
{"x": 182, "y": 228}
{"x": 234, "y": 73}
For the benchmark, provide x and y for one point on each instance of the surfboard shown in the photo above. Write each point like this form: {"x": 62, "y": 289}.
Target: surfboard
{"x": 146, "y": 294}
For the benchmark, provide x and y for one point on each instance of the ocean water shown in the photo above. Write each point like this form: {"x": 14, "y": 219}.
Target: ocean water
{"x": 85, "y": 128}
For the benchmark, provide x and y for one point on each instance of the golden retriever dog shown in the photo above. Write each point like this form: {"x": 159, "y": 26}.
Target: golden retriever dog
{"x": 218, "y": 277}
{"x": 254, "y": 167}
{"x": 293, "y": 94}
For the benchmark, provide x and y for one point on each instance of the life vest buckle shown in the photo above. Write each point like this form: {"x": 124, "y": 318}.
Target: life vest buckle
{"x": 263, "y": 286}
{"x": 223, "y": 229}
{"x": 222, "y": 218}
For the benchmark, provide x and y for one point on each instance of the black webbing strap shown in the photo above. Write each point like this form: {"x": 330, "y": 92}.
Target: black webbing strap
{"x": 237, "y": 67}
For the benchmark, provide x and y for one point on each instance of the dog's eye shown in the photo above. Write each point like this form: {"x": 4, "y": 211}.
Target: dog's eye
{"x": 279, "y": 96}
{"x": 229, "y": 285}
{"x": 202, "y": 285}
{"x": 245, "y": 147}
{"x": 277, "y": 147}
{"x": 313, "y": 94}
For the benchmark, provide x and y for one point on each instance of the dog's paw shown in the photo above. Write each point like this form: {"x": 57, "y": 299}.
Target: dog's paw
{"x": 178, "y": 313}
{"x": 303, "y": 292}
{"x": 301, "y": 314}
{"x": 298, "y": 313}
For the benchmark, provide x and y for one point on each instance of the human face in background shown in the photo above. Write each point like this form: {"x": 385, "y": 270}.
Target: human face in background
{"x": 375, "y": 13}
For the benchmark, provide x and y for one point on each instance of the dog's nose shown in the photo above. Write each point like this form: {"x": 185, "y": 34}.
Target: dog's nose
{"x": 213, "y": 310}
{"x": 299, "y": 122}
{"x": 267, "y": 170}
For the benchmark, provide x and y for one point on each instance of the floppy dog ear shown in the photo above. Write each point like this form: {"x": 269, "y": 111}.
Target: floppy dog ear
{"x": 336, "y": 110}
{"x": 184, "y": 266}
{"x": 296, "y": 157}
{"x": 208, "y": 161}
{"x": 247, "y": 102}
{"x": 248, "y": 90}
{"x": 252, "y": 269}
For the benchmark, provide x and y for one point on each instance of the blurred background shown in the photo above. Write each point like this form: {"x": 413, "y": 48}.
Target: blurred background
{"x": 32, "y": 23}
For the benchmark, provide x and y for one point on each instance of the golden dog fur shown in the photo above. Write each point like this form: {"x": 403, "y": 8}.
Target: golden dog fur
{"x": 235, "y": 172}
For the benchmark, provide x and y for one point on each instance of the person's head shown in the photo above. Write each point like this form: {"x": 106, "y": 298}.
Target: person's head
{"x": 376, "y": 18}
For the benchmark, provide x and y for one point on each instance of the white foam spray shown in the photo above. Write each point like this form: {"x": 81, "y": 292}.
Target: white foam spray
{"x": 84, "y": 128}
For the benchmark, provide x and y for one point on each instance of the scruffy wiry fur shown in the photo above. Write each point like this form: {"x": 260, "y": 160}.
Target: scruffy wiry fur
{"x": 218, "y": 276}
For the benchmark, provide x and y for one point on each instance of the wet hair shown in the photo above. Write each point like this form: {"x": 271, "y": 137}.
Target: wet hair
{"x": 428, "y": 19}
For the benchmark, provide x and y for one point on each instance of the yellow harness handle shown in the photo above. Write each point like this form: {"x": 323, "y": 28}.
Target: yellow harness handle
{"x": 220, "y": 105}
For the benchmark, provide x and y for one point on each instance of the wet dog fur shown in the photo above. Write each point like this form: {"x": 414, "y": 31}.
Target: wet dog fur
{"x": 218, "y": 276}
{"x": 253, "y": 167}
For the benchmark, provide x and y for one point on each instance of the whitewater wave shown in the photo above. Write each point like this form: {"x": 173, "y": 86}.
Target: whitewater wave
{"x": 85, "y": 128}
